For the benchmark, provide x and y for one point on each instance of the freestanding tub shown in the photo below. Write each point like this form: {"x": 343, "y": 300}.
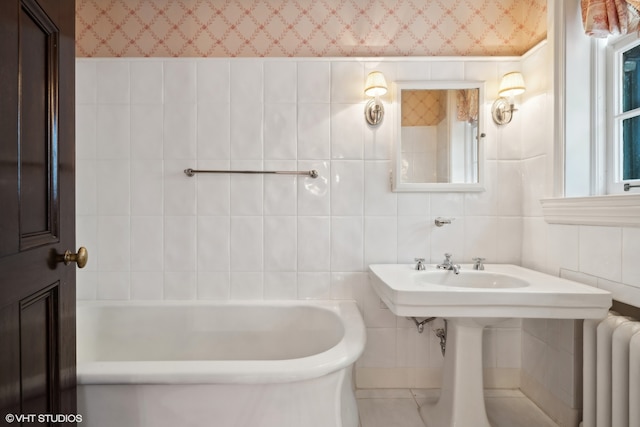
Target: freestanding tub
{"x": 258, "y": 364}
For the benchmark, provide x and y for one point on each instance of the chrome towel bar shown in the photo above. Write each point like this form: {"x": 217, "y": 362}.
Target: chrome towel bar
{"x": 312, "y": 173}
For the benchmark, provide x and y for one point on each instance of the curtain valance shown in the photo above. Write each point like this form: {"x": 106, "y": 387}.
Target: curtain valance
{"x": 602, "y": 18}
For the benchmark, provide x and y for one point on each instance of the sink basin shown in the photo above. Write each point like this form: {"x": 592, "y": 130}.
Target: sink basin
{"x": 472, "y": 279}
{"x": 501, "y": 290}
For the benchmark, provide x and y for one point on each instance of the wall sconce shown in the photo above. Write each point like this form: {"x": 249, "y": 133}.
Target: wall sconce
{"x": 375, "y": 86}
{"x": 511, "y": 85}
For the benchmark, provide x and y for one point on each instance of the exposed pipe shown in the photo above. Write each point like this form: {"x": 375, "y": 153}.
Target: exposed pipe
{"x": 420, "y": 325}
{"x": 440, "y": 332}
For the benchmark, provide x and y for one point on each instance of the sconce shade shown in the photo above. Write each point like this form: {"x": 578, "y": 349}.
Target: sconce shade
{"x": 375, "y": 85}
{"x": 512, "y": 84}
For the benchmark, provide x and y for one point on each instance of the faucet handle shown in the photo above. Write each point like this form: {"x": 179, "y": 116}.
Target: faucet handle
{"x": 420, "y": 263}
{"x": 478, "y": 263}
{"x": 447, "y": 256}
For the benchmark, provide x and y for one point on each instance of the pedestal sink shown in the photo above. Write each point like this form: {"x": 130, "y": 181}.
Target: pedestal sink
{"x": 470, "y": 301}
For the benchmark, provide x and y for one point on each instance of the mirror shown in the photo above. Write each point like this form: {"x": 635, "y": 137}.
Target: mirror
{"x": 438, "y": 136}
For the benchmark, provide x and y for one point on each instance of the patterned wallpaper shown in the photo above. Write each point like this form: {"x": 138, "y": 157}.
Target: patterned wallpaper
{"x": 307, "y": 28}
{"x": 423, "y": 107}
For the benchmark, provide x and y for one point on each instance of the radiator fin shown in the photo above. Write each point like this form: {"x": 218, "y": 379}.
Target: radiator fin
{"x": 620, "y": 373}
{"x": 634, "y": 381}
{"x": 611, "y": 373}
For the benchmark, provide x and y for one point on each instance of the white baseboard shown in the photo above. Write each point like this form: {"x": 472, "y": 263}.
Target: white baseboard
{"x": 428, "y": 378}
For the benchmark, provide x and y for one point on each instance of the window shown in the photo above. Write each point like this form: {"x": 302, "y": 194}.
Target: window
{"x": 599, "y": 128}
{"x": 631, "y": 105}
{"x": 624, "y": 123}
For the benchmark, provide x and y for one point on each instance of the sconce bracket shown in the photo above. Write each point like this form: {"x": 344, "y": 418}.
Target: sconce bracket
{"x": 502, "y": 111}
{"x": 374, "y": 112}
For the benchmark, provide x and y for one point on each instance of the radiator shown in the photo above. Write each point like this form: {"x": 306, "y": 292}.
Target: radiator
{"x": 611, "y": 372}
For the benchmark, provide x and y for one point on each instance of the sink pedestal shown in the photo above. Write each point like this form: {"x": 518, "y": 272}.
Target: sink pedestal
{"x": 461, "y": 401}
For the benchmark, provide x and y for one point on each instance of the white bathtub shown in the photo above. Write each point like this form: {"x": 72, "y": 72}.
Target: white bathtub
{"x": 183, "y": 364}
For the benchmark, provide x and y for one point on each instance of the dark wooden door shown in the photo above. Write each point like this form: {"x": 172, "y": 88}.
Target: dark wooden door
{"x": 37, "y": 209}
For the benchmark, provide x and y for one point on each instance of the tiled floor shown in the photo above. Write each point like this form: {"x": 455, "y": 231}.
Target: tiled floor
{"x": 399, "y": 408}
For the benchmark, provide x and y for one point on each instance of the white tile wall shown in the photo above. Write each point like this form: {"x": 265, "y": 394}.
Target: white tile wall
{"x": 630, "y": 251}
{"x": 544, "y": 362}
{"x": 603, "y": 244}
{"x": 154, "y": 233}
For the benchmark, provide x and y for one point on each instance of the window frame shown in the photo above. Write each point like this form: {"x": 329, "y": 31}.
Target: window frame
{"x": 597, "y": 208}
{"x": 615, "y": 116}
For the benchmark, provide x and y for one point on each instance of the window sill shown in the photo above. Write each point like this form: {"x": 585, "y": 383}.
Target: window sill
{"x": 618, "y": 210}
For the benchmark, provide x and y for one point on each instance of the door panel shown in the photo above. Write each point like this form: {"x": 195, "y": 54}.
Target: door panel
{"x": 37, "y": 200}
{"x": 9, "y": 216}
{"x": 38, "y": 355}
{"x": 38, "y": 85}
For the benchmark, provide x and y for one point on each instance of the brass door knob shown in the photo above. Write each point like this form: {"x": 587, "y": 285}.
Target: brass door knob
{"x": 80, "y": 258}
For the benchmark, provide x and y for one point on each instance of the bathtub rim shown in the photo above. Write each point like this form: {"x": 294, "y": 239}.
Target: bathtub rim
{"x": 340, "y": 356}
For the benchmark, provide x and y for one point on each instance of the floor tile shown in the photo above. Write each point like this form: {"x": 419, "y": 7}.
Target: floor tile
{"x": 399, "y": 408}
{"x": 389, "y": 413}
{"x": 423, "y": 394}
{"x": 516, "y": 412}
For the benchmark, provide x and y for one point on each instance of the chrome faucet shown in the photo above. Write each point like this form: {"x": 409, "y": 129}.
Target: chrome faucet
{"x": 478, "y": 263}
{"x": 419, "y": 263}
{"x": 448, "y": 265}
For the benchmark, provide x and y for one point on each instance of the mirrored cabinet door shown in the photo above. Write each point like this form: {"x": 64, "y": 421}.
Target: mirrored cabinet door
{"x": 438, "y": 136}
